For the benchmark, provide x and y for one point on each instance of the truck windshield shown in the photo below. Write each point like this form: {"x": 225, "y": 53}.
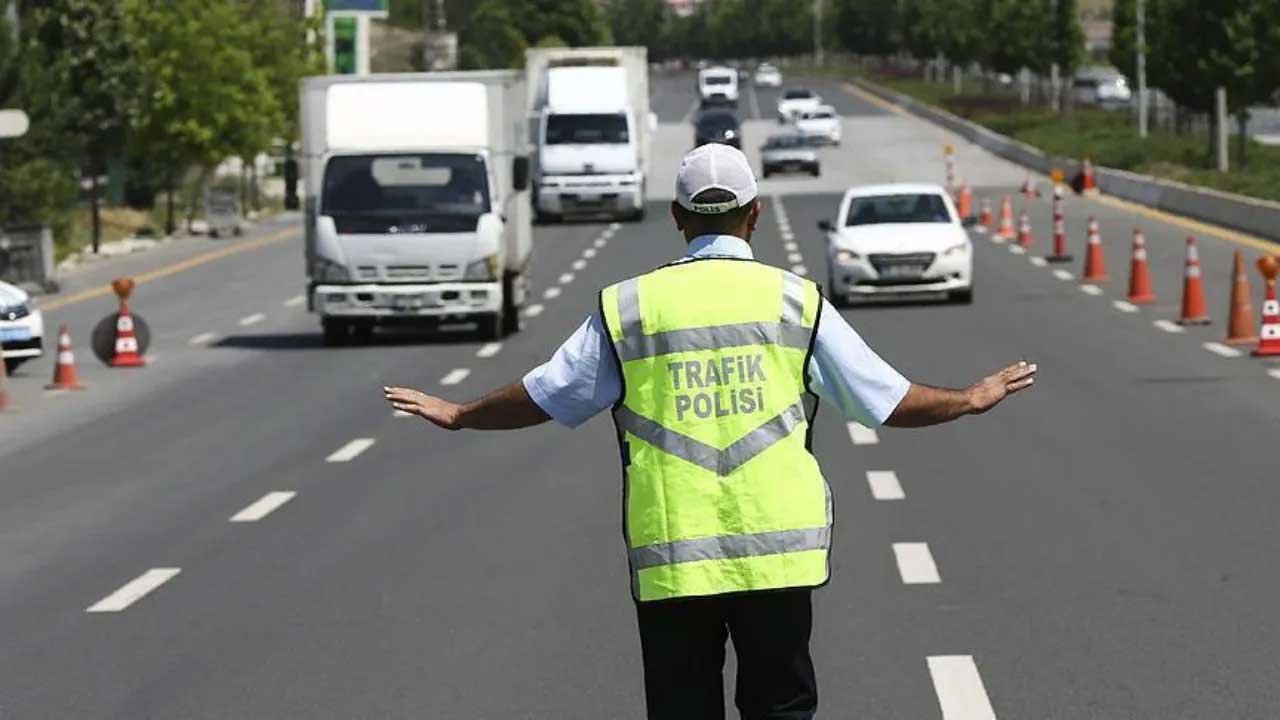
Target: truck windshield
{"x": 587, "y": 129}
{"x": 717, "y": 80}
{"x": 368, "y": 192}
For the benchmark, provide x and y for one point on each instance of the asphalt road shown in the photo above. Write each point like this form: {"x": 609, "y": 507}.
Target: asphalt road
{"x": 1102, "y": 547}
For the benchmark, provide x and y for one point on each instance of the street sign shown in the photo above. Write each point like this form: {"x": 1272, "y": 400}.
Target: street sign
{"x": 379, "y": 9}
{"x": 13, "y": 123}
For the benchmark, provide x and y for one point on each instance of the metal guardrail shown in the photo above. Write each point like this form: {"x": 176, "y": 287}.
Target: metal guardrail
{"x": 26, "y": 257}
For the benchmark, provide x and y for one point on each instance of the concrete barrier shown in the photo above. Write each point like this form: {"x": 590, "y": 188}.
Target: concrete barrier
{"x": 1237, "y": 212}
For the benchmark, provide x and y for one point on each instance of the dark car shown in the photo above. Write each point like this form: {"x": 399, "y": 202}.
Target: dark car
{"x": 718, "y": 126}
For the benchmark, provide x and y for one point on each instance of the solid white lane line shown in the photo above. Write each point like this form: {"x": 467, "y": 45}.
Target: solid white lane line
{"x": 1039, "y": 261}
{"x": 915, "y": 564}
{"x": 551, "y": 293}
{"x": 566, "y": 278}
{"x": 589, "y": 253}
{"x": 1063, "y": 275}
{"x": 1125, "y": 306}
{"x": 1274, "y": 373}
{"x": 488, "y": 350}
{"x": 884, "y": 485}
{"x": 959, "y": 688}
{"x": 799, "y": 269}
{"x": 1017, "y": 250}
{"x": 579, "y": 264}
{"x": 203, "y": 339}
{"x": 1090, "y": 289}
{"x": 295, "y": 301}
{"x": 455, "y": 376}
{"x": 264, "y": 506}
{"x": 795, "y": 257}
{"x": 350, "y": 451}
{"x": 1225, "y": 351}
{"x": 862, "y": 435}
{"x": 134, "y": 590}
{"x": 253, "y": 319}
{"x": 533, "y": 310}
{"x": 1169, "y": 326}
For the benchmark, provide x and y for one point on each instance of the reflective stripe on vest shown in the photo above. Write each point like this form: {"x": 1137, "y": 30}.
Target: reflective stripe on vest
{"x": 722, "y": 492}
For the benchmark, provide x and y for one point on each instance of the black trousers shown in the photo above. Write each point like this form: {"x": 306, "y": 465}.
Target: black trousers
{"x": 683, "y": 643}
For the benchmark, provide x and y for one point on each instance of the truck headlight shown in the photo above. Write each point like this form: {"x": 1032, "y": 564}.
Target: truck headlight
{"x": 484, "y": 270}
{"x": 325, "y": 270}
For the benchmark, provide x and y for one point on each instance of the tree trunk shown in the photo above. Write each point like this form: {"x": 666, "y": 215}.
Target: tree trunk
{"x": 95, "y": 210}
{"x": 244, "y": 189}
{"x": 168, "y": 215}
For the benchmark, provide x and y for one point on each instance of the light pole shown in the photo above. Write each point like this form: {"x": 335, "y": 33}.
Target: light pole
{"x": 1140, "y": 41}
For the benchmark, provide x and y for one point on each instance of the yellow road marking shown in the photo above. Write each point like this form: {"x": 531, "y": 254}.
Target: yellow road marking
{"x": 166, "y": 271}
{"x": 1195, "y": 226}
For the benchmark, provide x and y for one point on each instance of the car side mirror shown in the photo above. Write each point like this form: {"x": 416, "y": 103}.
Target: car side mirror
{"x": 520, "y": 173}
{"x": 826, "y": 226}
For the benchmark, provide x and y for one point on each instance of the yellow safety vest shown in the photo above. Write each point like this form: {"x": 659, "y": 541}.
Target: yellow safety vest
{"x": 722, "y": 493}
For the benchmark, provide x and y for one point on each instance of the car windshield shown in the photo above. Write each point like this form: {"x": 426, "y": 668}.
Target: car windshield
{"x": 818, "y": 116}
{"x": 797, "y": 95}
{"x": 717, "y": 80}
{"x": 389, "y": 190}
{"x": 787, "y": 141}
{"x": 587, "y": 129}
{"x": 912, "y": 208}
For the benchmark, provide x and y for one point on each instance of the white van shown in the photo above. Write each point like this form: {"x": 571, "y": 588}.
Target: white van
{"x": 718, "y": 86}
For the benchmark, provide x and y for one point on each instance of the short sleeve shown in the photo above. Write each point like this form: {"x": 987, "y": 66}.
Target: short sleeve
{"x": 846, "y": 372}
{"x": 581, "y": 378}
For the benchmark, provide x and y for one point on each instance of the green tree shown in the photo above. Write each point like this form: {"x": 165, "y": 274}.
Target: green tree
{"x": 1020, "y": 27}
{"x": 1124, "y": 39}
{"x": 491, "y": 38}
{"x": 872, "y": 27}
{"x": 641, "y": 22}
{"x": 1065, "y": 38}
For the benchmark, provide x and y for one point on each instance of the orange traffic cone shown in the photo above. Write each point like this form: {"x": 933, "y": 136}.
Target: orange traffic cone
{"x": 1095, "y": 262}
{"x": 1088, "y": 178}
{"x": 965, "y": 204}
{"x": 1025, "y": 238}
{"x": 1006, "y": 231}
{"x": 126, "y": 352}
{"x": 1240, "y": 327}
{"x": 1029, "y": 189}
{"x": 1194, "y": 309}
{"x": 1140, "y": 292}
{"x": 64, "y": 371}
{"x": 1060, "y": 254}
{"x": 986, "y": 221}
{"x": 1269, "y": 344}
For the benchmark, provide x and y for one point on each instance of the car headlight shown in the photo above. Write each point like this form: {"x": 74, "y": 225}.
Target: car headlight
{"x": 16, "y": 312}
{"x": 325, "y": 270}
{"x": 484, "y": 269}
{"x": 844, "y": 257}
{"x": 959, "y": 249}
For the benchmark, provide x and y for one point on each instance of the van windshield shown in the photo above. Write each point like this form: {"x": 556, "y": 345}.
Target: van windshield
{"x": 587, "y": 129}
{"x": 375, "y": 193}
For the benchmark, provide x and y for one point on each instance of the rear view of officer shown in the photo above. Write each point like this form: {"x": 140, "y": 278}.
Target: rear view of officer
{"x": 713, "y": 366}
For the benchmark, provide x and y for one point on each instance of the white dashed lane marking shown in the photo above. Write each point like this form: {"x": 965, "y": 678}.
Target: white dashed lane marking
{"x": 1222, "y": 350}
{"x": 579, "y": 264}
{"x": 1125, "y": 306}
{"x": 1274, "y": 373}
{"x": 295, "y": 301}
{"x": 1039, "y": 261}
{"x": 1017, "y": 250}
{"x": 350, "y": 451}
{"x": 790, "y": 247}
{"x": 533, "y": 311}
{"x": 589, "y": 253}
{"x": 1063, "y": 275}
{"x": 795, "y": 257}
{"x": 862, "y": 435}
{"x": 264, "y": 506}
{"x": 601, "y": 242}
{"x": 615, "y": 227}
{"x": 253, "y": 319}
{"x": 1169, "y": 326}
{"x": 203, "y": 339}
{"x": 799, "y": 269}
{"x": 959, "y": 687}
{"x": 488, "y": 350}
{"x": 455, "y": 376}
{"x": 566, "y": 278}
{"x": 1090, "y": 289}
{"x": 134, "y": 590}
{"x": 884, "y": 485}
{"x": 551, "y": 293}
{"x": 915, "y": 564}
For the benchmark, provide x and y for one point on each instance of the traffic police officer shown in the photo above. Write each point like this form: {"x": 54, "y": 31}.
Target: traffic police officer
{"x": 713, "y": 366}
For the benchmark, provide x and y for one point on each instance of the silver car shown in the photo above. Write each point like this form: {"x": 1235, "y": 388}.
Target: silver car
{"x": 791, "y": 152}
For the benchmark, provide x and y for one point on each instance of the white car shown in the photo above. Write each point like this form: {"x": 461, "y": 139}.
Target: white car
{"x": 821, "y": 125}
{"x": 768, "y": 76}
{"x": 718, "y": 86}
{"x": 898, "y": 240}
{"x": 796, "y": 101}
{"x": 21, "y": 326}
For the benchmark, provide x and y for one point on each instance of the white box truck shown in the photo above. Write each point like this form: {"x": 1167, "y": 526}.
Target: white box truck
{"x": 592, "y": 128}
{"x": 416, "y": 202}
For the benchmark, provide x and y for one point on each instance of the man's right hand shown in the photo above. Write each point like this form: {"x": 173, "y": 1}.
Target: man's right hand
{"x": 435, "y": 410}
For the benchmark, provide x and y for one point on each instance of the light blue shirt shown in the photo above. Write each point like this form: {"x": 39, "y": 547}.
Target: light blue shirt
{"x": 581, "y": 379}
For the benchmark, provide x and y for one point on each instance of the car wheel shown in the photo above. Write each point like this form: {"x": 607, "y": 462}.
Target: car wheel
{"x": 961, "y": 297}
{"x": 766, "y": 174}
{"x": 490, "y": 326}
{"x": 361, "y": 334}
{"x": 837, "y": 300}
{"x": 816, "y": 172}
{"x": 11, "y": 364}
{"x": 336, "y": 332}
{"x": 511, "y": 321}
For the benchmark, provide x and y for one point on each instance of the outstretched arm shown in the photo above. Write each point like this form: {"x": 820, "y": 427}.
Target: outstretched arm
{"x": 507, "y": 408}
{"x": 924, "y": 405}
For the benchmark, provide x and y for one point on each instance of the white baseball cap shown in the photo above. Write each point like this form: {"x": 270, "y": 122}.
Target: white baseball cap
{"x": 715, "y": 166}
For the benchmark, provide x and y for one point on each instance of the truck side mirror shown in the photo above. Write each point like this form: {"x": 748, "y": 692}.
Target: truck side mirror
{"x": 826, "y": 226}
{"x": 520, "y": 173}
